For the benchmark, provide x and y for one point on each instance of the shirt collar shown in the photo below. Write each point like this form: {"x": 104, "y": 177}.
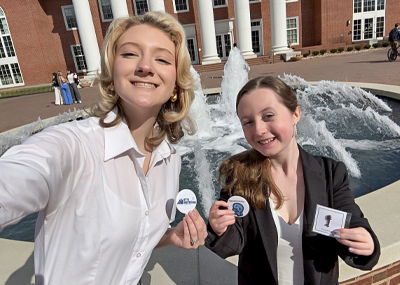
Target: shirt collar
{"x": 118, "y": 139}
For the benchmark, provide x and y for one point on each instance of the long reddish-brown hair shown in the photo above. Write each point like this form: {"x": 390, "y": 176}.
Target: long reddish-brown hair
{"x": 248, "y": 174}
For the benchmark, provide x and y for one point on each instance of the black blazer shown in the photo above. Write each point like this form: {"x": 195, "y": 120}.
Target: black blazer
{"x": 254, "y": 237}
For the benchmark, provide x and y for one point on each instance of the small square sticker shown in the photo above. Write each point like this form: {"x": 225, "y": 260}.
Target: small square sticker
{"x": 327, "y": 220}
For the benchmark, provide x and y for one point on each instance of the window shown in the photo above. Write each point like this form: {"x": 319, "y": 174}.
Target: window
{"x": 9, "y": 46}
{"x": 368, "y": 28}
{"x": 256, "y": 36}
{"x": 181, "y": 6}
{"x": 69, "y": 17}
{"x": 380, "y": 5}
{"x": 219, "y": 3}
{"x": 380, "y": 24}
{"x": 369, "y": 5}
{"x": 368, "y": 19}
{"x": 4, "y": 26}
{"x": 192, "y": 48}
{"x": 141, "y": 6}
{"x": 357, "y": 30}
{"x": 79, "y": 58}
{"x": 224, "y": 45}
{"x": 292, "y": 30}
{"x": 10, "y": 73}
{"x": 106, "y": 11}
{"x": 16, "y": 73}
{"x": 5, "y": 75}
{"x": 2, "y": 53}
{"x": 357, "y": 6}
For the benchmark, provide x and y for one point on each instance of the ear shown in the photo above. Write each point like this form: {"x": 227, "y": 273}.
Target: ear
{"x": 296, "y": 115}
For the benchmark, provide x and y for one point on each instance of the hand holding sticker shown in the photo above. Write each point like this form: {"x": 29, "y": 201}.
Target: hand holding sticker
{"x": 238, "y": 205}
{"x": 186, "y": 201}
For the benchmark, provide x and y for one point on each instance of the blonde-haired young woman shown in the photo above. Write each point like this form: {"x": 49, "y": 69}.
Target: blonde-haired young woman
{"x": 105, "y": 186}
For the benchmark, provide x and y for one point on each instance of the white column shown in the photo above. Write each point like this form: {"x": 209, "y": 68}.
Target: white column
{"x": 278, "y": 25}
{"x": 87, "y": 35}
{"x": 119, "y": 8}
{"x": 243, "y": 28}
{"x": 207, "y": 32}
{"x": 156, "y": 5}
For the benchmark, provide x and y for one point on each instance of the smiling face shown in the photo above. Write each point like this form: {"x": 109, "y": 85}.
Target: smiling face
{"x": 267, "y": 123}
{"x": 144, "y": 69}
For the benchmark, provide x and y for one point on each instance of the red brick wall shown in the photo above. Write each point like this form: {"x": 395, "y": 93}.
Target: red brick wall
{"x": 392, "y": 15}
{"x": 388, "y": 275}
{"x": 42, "y": 43}
{"x": 334, "y": 21}
{"x": 266, "y": 22}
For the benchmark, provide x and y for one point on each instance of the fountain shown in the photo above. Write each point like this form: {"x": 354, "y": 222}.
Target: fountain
{"x": 338, "y": 121}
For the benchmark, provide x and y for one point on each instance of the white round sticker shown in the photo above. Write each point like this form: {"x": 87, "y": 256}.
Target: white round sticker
{"x": 239, "y": 205}
{"x": 186, "y": 201}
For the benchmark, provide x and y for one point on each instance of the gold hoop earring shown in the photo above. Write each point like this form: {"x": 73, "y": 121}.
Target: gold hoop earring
{"x": 111, "y": 87}
{"x": 174, "y": 97}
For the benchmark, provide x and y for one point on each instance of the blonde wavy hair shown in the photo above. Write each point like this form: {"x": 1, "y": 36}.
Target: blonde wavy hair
{"x": 173, "y": 117}
{"x": 248, "y": 174}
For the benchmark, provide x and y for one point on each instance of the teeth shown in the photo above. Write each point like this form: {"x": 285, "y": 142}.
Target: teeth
{"x": 142, "y": 84}
{"x": 266, "y": 141}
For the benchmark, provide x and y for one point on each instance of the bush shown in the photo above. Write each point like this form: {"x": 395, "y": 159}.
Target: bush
{"x": 358, "y": 47}
{"x": 349, "y": 48}
{"x": 376, "y": 45}
{"x": 341, "y": 49}
{"x": 306, "y": 54}
{"x": 385, "y": 44}
{"x": 322, "y": 51}
{"x": 333, "y": 50}
{"x": 25, "y": 91}
{"x": 367, "y": 46}
{"x": 315, "y": 53}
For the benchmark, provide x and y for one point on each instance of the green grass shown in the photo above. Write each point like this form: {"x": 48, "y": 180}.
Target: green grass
{"x": 25, "y": 91}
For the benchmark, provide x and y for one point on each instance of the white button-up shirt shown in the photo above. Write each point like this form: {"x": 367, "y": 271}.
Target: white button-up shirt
{"x": 100, "y": 216}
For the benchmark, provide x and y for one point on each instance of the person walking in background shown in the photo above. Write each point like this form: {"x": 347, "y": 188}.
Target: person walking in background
{"x": 57, "y": 92}
{"x": 394, "y": 37}
{"x": 283, "y": 185}
{"x": 64, "y": 88}
{"x": 72, "y": 77}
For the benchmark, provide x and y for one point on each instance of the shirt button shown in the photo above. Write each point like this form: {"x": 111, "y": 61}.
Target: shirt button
{"x": 147, "y": 213}
{"x": 138, "y": 255}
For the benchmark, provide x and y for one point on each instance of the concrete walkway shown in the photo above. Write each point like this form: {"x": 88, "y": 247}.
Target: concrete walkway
{"x": 368, "y": 69}
{"x": 369, "y": 66}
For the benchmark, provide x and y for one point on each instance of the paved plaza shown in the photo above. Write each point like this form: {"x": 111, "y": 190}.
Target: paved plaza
{"x": 369, "y": 66}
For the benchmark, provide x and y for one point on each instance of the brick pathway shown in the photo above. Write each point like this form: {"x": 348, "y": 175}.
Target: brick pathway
{"x": 369, "y": 66}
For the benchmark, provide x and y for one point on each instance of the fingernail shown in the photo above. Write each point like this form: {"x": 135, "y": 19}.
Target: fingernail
{"x": 336, "y": 232}
{"x": 351, "y": 249}
{"x": 336, "y": 236}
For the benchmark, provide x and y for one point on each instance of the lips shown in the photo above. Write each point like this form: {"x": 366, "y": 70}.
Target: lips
{"x": 144, "y": 84}
{"x": 266, "y": 141}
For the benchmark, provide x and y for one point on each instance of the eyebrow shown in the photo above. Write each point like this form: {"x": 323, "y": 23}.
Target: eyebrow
{"x": 157, "y": 48}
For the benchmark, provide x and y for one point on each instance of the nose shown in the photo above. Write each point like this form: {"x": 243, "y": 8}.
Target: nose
{"x": 145, "y": 66}
{"x": 260, "y": 128}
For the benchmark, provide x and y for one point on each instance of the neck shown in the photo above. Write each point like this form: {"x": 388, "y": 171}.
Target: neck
{"x": 287, "y": 161}
{"x": 141, "y": 124}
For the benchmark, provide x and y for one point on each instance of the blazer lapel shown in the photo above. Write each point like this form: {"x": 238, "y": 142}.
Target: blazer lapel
{"x": 315, "y": 192}
{"x": 269, "y": 237}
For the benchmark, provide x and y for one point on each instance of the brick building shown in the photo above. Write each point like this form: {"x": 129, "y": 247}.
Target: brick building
{"x": 39, "y": 37}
